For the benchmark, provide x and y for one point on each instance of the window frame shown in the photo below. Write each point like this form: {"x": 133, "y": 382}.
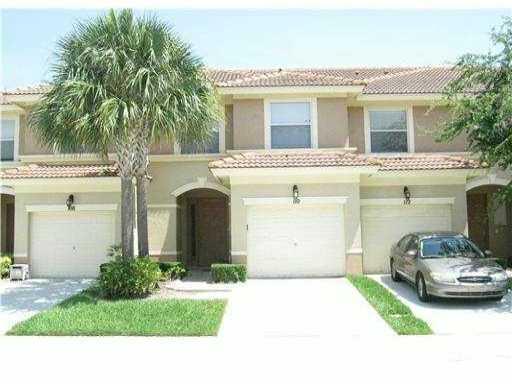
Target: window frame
{"x": 222, "y": 144}
{"x": 16, "y": 118}
{"x": 313, "y": 120}
{"x": 409, "y": 119}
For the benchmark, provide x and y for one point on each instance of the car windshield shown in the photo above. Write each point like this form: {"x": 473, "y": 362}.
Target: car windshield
{"x": 450, "y": 246}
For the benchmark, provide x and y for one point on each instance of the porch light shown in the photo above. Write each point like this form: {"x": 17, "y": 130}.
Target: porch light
{"x": 295, "y": 191}
{"x": 70, "y": 203}
{"x": 407, "y": 196}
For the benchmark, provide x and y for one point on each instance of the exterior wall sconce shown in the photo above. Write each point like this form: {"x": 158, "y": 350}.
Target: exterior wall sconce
{"x": 295, "y": 191}
{"x": 70, "y": 203}
{"x": 407, "y": 196}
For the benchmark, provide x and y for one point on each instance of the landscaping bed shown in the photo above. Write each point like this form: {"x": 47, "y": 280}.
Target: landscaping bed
{"x": 393, "y": 311}
{"x": 88, "y": 314}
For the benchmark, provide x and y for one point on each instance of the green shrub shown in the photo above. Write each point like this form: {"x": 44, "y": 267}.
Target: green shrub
{"x": 172, "y": 270}
{"x": 5, "y": 263}
{"x": 127, "y": 279}
{"x": 228, "y": 273}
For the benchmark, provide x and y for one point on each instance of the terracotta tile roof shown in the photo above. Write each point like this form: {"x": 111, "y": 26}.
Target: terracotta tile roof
{"x": 32, "y": 90}
{"x": 343, "y": 159}
{"x": 44, "y": 171}
{"x": 406, "y": 80}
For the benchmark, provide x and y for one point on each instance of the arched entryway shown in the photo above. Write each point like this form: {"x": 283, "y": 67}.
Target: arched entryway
{"x": 203, "y": 227}
{"x": 489, "y": 225}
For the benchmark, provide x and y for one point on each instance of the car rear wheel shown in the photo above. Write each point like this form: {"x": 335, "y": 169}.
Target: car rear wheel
{"x": 421, "y": 289}
{"x": 395, "y": 276}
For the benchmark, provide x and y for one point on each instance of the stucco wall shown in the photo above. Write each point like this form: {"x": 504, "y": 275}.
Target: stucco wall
{"x": 248, "y": 124}
{"x": 332, "y": 122}
{"x": 29, "y": 141}
{"x": 239, "y": 219}
{"x": 356, "y": 128}
{"x": 427, "y": 128}
{"x": 228, "y": 125}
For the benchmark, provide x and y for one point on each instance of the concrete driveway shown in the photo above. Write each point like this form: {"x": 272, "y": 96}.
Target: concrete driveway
{"x": 456, "y": 317}
{"x": 300, "y": 307}
{"x": 20, "y": 300}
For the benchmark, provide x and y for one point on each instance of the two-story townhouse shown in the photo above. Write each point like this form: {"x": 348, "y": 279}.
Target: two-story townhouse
{"x": 314, "y": 172}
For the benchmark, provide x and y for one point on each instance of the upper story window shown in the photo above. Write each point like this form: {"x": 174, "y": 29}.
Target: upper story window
{"x": 212, "y": 146}
{"x": 387, "y": 131}
{"x": 290, "y": 125}
{"x": 7, "y": 139}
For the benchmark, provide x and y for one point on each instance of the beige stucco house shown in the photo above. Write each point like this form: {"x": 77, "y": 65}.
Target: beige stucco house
{"x": 314, "y": 172}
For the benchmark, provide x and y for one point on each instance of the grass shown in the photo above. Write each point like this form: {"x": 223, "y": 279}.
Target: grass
{"x": 85, "y": 314}
{"x": 393, "y": 311}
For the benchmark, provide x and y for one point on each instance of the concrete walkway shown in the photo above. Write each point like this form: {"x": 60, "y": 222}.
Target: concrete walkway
{"x": 456, "y": 316}
{"x": 300, "y": 307}
{"x": 20, "y": 300}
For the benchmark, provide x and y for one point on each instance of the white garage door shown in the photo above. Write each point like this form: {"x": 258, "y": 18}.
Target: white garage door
{"x": 383, "y": 226}
{"x": 69, "y": 244}
{"x": 295, "y": 241}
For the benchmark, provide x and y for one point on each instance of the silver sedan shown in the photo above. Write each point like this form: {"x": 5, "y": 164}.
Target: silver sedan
{"x": 446, "y": 264}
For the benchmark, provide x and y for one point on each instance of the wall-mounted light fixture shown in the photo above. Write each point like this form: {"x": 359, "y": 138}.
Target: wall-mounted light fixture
{"x": 70, "y": 203}
{"x": 407, "y": 196}
{"x": 295, "y": 191}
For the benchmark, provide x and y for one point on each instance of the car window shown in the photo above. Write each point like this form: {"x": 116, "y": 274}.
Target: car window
{"x": 403, "y": 242}
{"x": 449, "y": 246}
{"x": 413, "y": 244}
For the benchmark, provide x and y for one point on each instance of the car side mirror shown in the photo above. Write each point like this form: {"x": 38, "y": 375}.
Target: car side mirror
{"x": 488, "y": 253}
{"x": 412, "y": 253}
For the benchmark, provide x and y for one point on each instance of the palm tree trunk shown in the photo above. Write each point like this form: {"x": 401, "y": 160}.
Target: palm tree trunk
{"x": 127, "y": 217}
{"x": 142, "y": 214}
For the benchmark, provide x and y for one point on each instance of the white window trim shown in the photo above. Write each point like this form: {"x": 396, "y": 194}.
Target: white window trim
{"x": 409, "y": 122}
{"x": 314, "y": 118}
{"x": 222, "y": 143}
{"x": 16, "y": 119}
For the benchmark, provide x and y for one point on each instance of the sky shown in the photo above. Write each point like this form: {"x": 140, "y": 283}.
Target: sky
{"x": 269, "y": 38}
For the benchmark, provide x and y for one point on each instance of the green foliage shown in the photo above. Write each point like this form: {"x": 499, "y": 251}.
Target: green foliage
{"x": 480, "y": 102}
{"x": 172, "y": 270}
{"x": 124, "y": 82}
{"x": 228, "y": 273}
{"x": 128, "y": 279}
{"x": 5, "y": 263}
{"x": 89, "y": 314}
{"x": 115, "y": 252}
{"x": 393, "y": 311}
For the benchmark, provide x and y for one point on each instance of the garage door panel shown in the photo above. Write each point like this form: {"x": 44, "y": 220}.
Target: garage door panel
{"x": 69, "y": 244}
{"x": 294, "y": 241}
{"x": 383, "y": 226}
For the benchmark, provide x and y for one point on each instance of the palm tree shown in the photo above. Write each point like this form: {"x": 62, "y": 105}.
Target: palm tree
{"x": 122, "y": 83}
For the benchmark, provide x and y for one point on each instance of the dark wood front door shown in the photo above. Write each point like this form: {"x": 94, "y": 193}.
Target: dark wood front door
{"x": 210, "y": 236}
{"x": 478, "y": 219}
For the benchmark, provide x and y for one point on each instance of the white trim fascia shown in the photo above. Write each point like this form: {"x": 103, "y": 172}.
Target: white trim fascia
{"x": 28, "y": 98}
{"x": 163, "y": 206}
{"x": 201, "y": 183}
{"x": 11, "y": 108}
{"x": 67, "y": 157}
{"x": 66, "y": 185}
{"x": 164, "y": 253}
{"x": 414, "y": 201}
{"x": 295, "y": 179}
{"x": 290, "y": 90}
{"x": 185, "y": 157}
{"x": 293, "y": 150}
{"x": 78, "y": 208}
{"x": 238, "y": 253}
{"x": 317, "y": 200}
{"x": 401, "y": 97}
{"x": 6, "y": 190}
{"x": 20, "y": 255}
{"x": 409, "y": 122}
{"x": 313, "y": 116}
{"x": 299, "y": 171}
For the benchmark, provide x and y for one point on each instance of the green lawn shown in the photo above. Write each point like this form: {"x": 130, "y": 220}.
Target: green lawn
{"x": 86, "y": 315}
{"x": 393, "y": 311}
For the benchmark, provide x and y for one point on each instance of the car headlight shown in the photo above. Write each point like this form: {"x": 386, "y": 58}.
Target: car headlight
{"x": 445, "y": 278}
{"x": 500, "y": 276}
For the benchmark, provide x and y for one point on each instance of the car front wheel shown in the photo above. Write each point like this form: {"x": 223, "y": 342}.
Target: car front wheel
{"x": 421, "y": 289}
{"x": 395, "y": 276}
